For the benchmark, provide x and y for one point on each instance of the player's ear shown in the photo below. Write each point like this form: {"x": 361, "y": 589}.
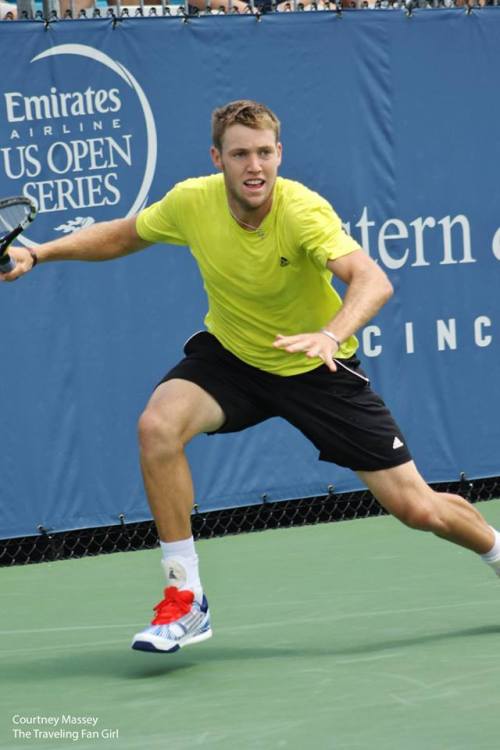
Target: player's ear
{"x": 279, "y": 149}
{"x": 216, "y": 157}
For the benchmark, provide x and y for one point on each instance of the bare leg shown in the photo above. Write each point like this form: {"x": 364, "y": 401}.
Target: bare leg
{"x": 177, "y": 411}
{"x": 403, "y": 493}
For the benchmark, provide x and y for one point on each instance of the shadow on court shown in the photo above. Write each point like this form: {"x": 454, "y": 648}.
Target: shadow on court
{"x": 126, "y": 664}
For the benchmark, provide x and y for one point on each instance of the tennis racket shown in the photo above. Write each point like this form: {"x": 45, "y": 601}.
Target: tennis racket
{"x": 15, "y": 215}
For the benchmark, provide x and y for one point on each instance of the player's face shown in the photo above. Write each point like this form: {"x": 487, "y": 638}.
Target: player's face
{"x": 249, "y": 160}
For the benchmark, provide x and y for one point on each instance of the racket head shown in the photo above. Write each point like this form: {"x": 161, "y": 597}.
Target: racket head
{"x": 15, "y": 215}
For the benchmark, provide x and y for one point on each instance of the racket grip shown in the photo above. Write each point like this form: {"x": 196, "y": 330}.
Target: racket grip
{"x": 7, "y": 264}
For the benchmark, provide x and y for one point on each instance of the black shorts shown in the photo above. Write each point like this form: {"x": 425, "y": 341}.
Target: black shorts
{"x": 338, "y": 411}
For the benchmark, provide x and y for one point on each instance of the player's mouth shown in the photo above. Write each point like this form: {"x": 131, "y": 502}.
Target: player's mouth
{"x": 254, "y": 185}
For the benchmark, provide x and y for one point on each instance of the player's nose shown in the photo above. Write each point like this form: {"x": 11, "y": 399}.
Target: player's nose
{"x": 253, "y": 164}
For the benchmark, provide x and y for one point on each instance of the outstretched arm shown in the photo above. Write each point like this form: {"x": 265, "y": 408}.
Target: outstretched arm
{"x": 102, "y": 241}
{"x": 368, "y": 289}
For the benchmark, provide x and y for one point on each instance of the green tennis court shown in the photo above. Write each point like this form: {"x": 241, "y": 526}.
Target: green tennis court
{"x": 350, "y": 636}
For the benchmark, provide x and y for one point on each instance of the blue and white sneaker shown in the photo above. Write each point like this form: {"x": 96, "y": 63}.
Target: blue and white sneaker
{"x": 180, "y": 620}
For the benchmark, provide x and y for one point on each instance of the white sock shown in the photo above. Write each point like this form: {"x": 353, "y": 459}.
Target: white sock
{"x": 492, "y": 557}
{"x": 180, "y": 563}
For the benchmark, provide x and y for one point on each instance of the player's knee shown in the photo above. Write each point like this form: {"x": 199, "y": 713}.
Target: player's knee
{"x": 159, "y": 437}
{"x": 422, "y": 515}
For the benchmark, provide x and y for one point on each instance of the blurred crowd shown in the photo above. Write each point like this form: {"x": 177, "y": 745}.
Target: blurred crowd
{"x": 89, "y": 8}
{"x": 7, "y": 10}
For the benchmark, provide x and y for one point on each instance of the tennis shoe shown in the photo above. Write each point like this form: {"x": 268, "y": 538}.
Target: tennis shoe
{"x": 180, "y": 620}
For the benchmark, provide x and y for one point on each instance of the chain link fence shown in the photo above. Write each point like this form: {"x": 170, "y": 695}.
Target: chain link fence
{"x": 124, "y": 537}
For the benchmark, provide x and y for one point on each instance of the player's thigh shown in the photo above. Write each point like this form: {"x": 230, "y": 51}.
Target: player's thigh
{"x": 184, "y": 409}
{"x": 401, "y": 490}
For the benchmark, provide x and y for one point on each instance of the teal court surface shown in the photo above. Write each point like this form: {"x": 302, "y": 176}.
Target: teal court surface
{"x": 358, "y": 635}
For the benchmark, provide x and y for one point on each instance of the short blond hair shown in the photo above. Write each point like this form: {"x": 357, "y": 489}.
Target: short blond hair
{"x": 243, "y": 112}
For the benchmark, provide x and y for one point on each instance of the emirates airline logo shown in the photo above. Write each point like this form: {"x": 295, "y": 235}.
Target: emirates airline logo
{"x": 81, "y": 153}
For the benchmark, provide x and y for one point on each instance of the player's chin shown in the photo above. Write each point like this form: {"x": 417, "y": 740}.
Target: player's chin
{"x": 254, "y": 201}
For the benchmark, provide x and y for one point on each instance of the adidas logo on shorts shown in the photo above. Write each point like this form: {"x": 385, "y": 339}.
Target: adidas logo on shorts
{"x": 397, "y": 443}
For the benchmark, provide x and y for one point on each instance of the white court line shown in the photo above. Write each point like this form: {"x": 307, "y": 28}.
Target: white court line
{"x": 57, "y": 647}
{"x": 375, "y": 657}
{"x": 69, "y": 629}
{"x": 401, "y": 700}
{"x": 459, "y": 678}
{"x": 418, "y": 691}
{"x": 354, "y": 615}
{"x": 265, "y": 623}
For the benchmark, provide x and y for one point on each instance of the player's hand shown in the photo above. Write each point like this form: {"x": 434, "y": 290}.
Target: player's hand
{"x": 24, "y": 263}
{"x": 312, "y": 344}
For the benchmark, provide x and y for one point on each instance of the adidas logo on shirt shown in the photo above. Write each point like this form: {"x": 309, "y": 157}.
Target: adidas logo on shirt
{"x": 284, "y": 261}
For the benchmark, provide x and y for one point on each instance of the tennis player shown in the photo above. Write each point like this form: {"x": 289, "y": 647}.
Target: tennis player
{"x": 279, "y": 341}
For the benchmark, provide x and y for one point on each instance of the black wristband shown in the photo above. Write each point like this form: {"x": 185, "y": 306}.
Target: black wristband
{"x": 34, "y": 257}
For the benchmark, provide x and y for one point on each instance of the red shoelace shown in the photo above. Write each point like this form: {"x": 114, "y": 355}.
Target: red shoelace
{"x": 176, "y": 604}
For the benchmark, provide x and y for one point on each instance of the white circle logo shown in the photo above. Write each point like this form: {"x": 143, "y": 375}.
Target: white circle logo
{"x": 81, "y": 153}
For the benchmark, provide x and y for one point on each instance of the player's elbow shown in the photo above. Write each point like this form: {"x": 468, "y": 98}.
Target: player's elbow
{"x": 387, "y": 290}
{"x": 382, "y": 285}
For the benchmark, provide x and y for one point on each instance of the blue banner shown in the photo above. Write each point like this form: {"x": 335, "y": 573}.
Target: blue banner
{"x": 379, "y": 114}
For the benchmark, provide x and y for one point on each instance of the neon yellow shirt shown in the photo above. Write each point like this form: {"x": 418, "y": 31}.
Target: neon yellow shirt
{"x": 262, "y": 283}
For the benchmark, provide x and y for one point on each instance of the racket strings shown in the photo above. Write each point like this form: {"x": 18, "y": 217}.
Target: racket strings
{"x": 11, "y": 217}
